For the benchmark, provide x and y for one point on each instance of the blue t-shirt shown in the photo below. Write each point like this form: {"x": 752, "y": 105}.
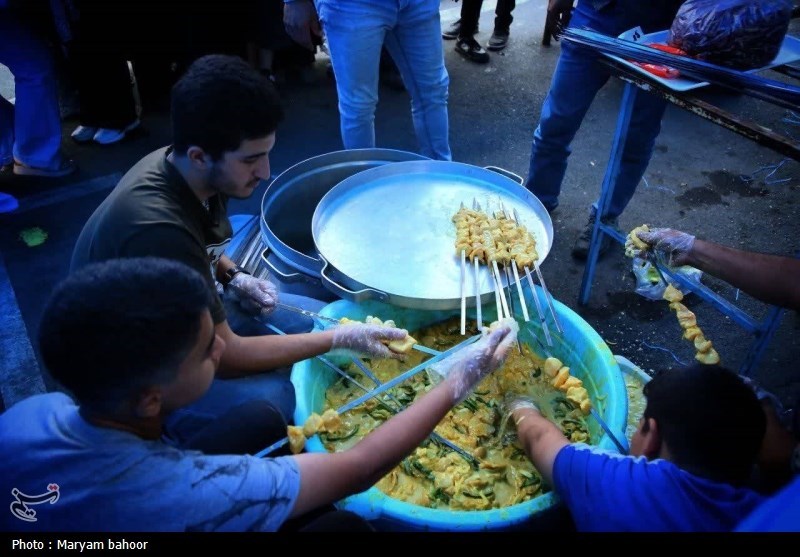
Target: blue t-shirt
{"x": 112, "y": 480}
{"x": 610, "y": 492}
{"x": 781, "y": 512}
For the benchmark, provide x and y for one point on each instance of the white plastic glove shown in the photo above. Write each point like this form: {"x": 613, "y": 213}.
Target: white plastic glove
{"x": 672, "y": 245}
{"x": 256, "y": 296}
{"x": 464, "y": 369}
{"x": 301, "y": 22}
{"x": 514, "y": 402}
{"x": 367, "y": 339}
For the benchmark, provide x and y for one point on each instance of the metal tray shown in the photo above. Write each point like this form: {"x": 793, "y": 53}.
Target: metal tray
{"x": 387, "y": 233}
{"x": 789, "y": 52}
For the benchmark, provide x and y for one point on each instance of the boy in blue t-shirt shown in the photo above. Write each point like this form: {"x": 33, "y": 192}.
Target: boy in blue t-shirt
{"x": 133, "y": 340}
{"x": 691, "y": 456}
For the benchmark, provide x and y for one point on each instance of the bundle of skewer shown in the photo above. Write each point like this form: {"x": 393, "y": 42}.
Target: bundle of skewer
{"x": 498, "y": 240}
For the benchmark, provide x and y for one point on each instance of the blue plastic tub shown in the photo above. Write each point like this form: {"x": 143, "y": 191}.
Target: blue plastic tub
{"x": 580, "y": 347}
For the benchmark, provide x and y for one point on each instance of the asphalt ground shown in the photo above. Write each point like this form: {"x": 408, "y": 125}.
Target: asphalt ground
{"x": 694, "y": 182}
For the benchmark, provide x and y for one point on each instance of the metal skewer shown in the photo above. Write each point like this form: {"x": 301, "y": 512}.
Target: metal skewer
{"x": 539, "y": 310}
{"x": 400, "y": 407}
{"x": 501, "y": 292}
{"x": 547, "y": 295}
{"x": 475, "y": 263}
{"x": 516, "y": 272}
{"x": 378, "y": 390}
{"x": 463, "y": 293}
{"x": 477, "y": 293}
{"x": 519, "y": 291}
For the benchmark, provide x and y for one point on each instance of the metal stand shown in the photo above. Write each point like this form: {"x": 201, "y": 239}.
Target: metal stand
{"x": 762, "y": 330}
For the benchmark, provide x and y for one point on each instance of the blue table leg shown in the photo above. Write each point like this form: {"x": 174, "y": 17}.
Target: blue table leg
{"x": 609, "y": 180}
{"x": 763, "y": 338}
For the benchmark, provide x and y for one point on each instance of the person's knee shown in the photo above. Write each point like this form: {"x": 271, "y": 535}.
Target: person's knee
{"x": 262, "y": 417}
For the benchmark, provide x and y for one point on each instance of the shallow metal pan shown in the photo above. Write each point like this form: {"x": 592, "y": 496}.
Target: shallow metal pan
{"x": 387, "y": 233}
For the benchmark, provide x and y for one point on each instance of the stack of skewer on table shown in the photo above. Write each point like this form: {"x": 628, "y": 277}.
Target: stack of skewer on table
{"x": 499, "y": 241}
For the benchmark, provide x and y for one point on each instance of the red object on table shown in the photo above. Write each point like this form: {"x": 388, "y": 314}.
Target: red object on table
{"x": 662, "y": 71}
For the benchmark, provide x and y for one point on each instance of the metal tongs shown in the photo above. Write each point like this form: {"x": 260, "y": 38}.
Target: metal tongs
{"x": 332, "y": 321}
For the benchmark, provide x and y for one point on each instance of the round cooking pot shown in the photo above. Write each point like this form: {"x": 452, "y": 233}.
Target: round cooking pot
{"x": 290, "y": 200}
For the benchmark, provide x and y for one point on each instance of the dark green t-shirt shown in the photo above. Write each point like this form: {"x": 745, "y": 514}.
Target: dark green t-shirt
{"x": 153, "y": 212}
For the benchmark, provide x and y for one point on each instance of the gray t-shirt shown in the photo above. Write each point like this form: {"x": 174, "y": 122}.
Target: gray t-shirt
{"x": 60, "y": 473}
{"x": 153, "y": 212}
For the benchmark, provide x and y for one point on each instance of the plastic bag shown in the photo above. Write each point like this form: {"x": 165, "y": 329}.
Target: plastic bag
{"x": 649, "y": 283}
{"x": 742, "y": 34}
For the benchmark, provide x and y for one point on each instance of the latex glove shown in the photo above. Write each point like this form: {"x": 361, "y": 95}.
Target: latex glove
{"x": 301, "y": 22}
{"x": 367, "y": 339}
{"x": 256, "y": 296}
{"x": 559, "y": 12}
{"x": 514, "y": 402}
{"x": 464, "y": 369}
{"x": 672, "y": 245}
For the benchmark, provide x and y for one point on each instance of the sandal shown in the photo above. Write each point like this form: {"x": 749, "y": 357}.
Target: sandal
{"x": 66, "y": 167}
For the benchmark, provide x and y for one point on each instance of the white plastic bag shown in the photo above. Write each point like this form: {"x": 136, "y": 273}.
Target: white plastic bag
{"x": 649, "y": 283}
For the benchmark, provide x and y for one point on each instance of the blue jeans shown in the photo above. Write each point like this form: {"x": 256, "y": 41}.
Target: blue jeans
{"x": 411, "y": 29}
{"x": 577, "y": 79}
{"x": 30, "y": 131}
{"x": 272, "y": 386}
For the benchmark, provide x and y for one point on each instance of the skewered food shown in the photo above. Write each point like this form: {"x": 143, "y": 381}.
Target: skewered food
{"x": 330, "y": 421}
{"x": 494, "y": 238}
{"x": 633, "y": 244}
{"x": 704, "y": 349}
{"x": 572, "y": 386}
{"x": 402, "y": 346}
{"x": 434, "y": 476}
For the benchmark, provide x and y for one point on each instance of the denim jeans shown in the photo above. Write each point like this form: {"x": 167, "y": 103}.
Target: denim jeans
{"x": 411, "y": 30}
{"x": 30, "y": 130}
{"x": 272, "y": 386}
{"x": 577, "y": 79}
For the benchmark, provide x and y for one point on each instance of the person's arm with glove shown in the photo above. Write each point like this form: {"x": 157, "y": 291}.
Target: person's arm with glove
{"x": 541, "y": 438}
{"x": 771, "y": 278}
{"x": 328, "y": 477}
{"x": 301, "y": 22}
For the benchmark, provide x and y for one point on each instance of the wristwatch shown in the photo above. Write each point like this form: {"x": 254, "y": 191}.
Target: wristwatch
{"x": 233, "y": 271}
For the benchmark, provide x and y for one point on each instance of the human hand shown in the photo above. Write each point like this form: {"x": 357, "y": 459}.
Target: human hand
{"x": 301, "y": 22}
{"x": 672, "y": 245}
{"x": 464, "y": 369}
{"x": 256, "y": 296}
{"x": 367, "y": 339}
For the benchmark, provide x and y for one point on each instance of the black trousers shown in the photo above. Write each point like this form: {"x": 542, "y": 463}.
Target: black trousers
{"x": 471, "y": 12}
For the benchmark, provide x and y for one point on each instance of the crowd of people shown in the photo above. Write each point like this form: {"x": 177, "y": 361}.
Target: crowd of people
{"x": 165, "y": 400}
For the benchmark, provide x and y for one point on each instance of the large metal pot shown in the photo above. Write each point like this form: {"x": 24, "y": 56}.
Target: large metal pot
{"x": 290, "y": 200}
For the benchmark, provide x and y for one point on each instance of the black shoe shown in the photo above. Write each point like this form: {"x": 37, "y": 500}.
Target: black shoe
{"x": 499, "y": 39}
{"x": 581, "y": 248}
{"x": 452, "y": 32}
{"x": 471, "y": 50}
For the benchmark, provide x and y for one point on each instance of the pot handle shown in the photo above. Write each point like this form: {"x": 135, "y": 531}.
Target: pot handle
{"x": 507, "y": 173}
{"x": 354, "y": 295}
{"x": 285, "y": 277}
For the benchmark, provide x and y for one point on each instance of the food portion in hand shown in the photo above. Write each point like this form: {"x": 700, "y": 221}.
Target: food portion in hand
{"x": 402, "y": 346}
{"x": 435, "y": 476}
{"x": 494, "y": 238}
{"x": 297, "y": 439}
{"x": 329, "y": 422}
{"x": 634, "y": 245}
